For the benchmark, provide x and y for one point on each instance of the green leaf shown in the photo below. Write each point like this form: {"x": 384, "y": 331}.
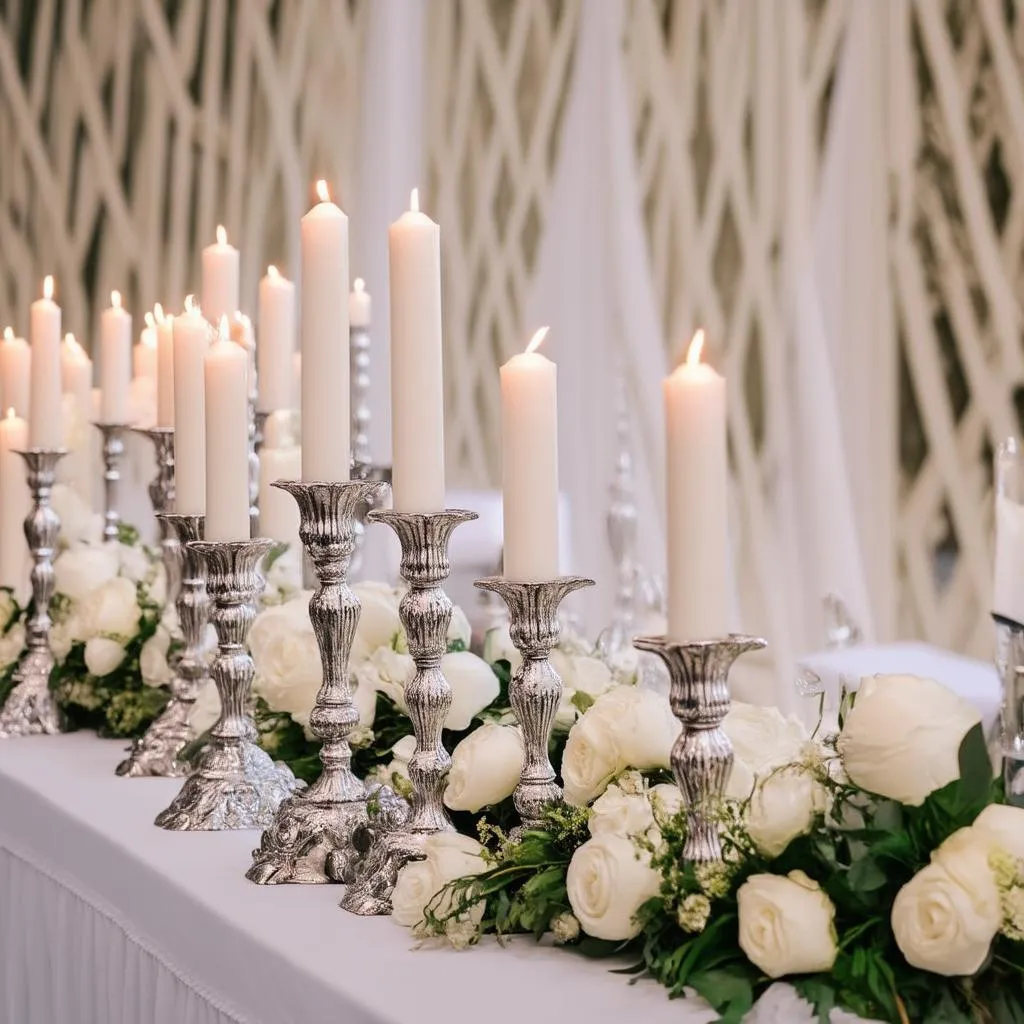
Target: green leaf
{"x": 820, "y": 992}
{"x": 582, "y": 701}
{"x": 866, "y": 876}
{"x": 598, "y": 949}
{"x": 729, "y": 991}
{"x": 975, "y": 771}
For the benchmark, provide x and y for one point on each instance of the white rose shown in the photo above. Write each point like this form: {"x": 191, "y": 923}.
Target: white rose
{"x": 112, "y": 609}
{"x": 644, "y": 727}
{"x": 103, "y": 655}
{"x": 1005, "y": 827}
{"x": 666, "y": 801}
{"x": 459, "y": 629}
{"x": 582, "y": 672}
{"x": 485, "y": 768}
{"x": 902, "y": 737}
{"x": 284, "y": 578}
{"x": 79, "y": 571}
{"x": 945, "y": 918}
{"x": 401, "y": 752}
{"x": 498, "y": 647}
{"x": 618, "y": 813}
{"x": 206, "y": 709}
{"x": 591, "y": 757}
{"x": 783, "y": 807}
{"x": 785, "y": 924}
{"x": 12, "y": 643}
{"x": 474, "y": 686}
{"x": 153, "y": 659}
{"x": 607, "y": 882}
{"x": 763, "y": 738}
{"x": 447, "y": 856}
{"x": 379, "y": 624}
{"x": 135, "y": 564}
{"x": 568, "y": 712}
{"x": 78, "y": 523}
{"x": 63, "y": 634}
{"x": 286, "y": 657}
{"x": 386, "y": 671}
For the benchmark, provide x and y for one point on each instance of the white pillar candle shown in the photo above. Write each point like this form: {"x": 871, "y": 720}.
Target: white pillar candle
{"x": 696, "y": 480}
{"x": 144, "y": 355}
{"x": 326, "y": 449}
{"x": 360, "y": 307}
{"x": 16, "y": 503}
{"x": 227, "y": 439}
{"x": 529, "y": 465}
{"x": 76, "y": 376}
{"x": 297, "y": 379}
{"x": 164, "y": 367}
{"x": 280, "y": 459}
{"x": 220, "y": 279}
{"x": 191, "y": 342}
{"x": 115, "y": 360}
{"x": 417, "y": 376}
{"x": 76, "y": 381}
{"x": 45, "y": 423}
{"x": 15, "y": 372}
{"x": 277, "y": 342}
{"x": 1008, "y": 595}
{"x": 242, "y": 334}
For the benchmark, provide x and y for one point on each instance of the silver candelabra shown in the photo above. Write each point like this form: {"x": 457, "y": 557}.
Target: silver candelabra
{"x": 30, "y": 708}
{"x": 303, "y": 842}
{"x": 535, "y": 690}
{"x": 235, "y": 784}
{"x": 113, "y": 450}
{"x": 702, "y": 755}
{"x": 426, "y": 612}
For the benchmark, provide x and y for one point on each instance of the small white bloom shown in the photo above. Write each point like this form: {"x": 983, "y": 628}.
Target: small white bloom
{"x": 447, "y": 856}
{"x": 112, "y": 610}
{"x": 1005, "y": 825}
{"x": 135, "y": 563}
{"x": 693, "y": 913}
{"x": 286, "y": 658}
{"x": 78, "y": 523}
{"x": 80, "y": 570}
{"x": 666, "y": 801}
{"x": 582, "y": 672}
{"x": 153, "y": 659}
{"x": 379, "y": 624}
{"x": 459, "y": 629}
{"x": 565, "y": 928}
{"x": 498, "y": 647}
{"x": 103, "y": 655}
{"x": 402, "y": 751}
{"x": 621, "y": 813}
{"x": 591, "y": 758}
{"x": 783, "y": 807}
{"x": 486, "y": 766}
{"x": 474, "y": 686}
{"x": 385, "y": 671}
{"x": 763, "y": 739}
{"x": 713, "y": 878}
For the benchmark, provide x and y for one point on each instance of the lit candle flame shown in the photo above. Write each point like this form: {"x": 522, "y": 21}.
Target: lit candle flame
{"x": 359, "y": 285}
{"x": 115, "y": 299}
{"x": 272, "y": 271}
{"x": 414, "y": 200}
{"x": 323, "y": 191}
{"x": 150, "y": 322}
{"x": 158, "y": 313}
{"x": 222, "y": 235}
{"x": 223, "y": 328}
{"x": 8, "y": 334}
{"x": 10, "y": 412}
{"x": 537, "y": 340}
{"x": 148, "y": 338}
{"x": 48, "y": 287}
{"x": 72, "y": 342}
{"x": 696, "y": 348}
{"x": 190, "y": 304}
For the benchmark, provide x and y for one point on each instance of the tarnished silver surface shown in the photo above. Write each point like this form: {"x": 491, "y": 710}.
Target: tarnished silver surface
{"x": 254, "y": 458}
{"x": 702, "y": 755}
{"x": 30, "y": 708}
{"x": 261, "y": 428}
{"x": 113, "y": 449}
{"x": 156, "y": 753}
{"x": 426, "y": 612}
{"x": 235, "y": 784}
{"x": 359, "y": 389}
{"x": 302, "y": 842}
{"x": 535, "y": 690}
{"x": 161, "y": 495}
{"x": 1010, "y": 666}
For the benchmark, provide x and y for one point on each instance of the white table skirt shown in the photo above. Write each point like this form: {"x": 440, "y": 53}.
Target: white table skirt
{"x": 106, "y": 919}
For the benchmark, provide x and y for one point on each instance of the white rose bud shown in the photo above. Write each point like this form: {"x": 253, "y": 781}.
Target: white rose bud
{"x": 79, "y": 571}
{"x": 902, "y": 737}
{"x": 582, "y": 672}
{"x": 565, "y": 928}
{"x": 447, "y": 856}
{"x": 945, "y": 918}
{"x": 618, "y": 813}
{"x": 474, "y": 686}
{"x": 153, "y": 659}
{"x": 646, "y": 729}
{"x": 286, "y": 658}
{"x": 103, "y": 655}
{"x": 486, "y": 766}
{"x": 763, "y": 738}
{"x": 498, "y": 647}
{"x": 1005, "y": 826}
{"x": 783, "y": 807}
{"x": 607, "y": 882}
{"x": 112, "y": 609}
{"x": 785, "y": 924}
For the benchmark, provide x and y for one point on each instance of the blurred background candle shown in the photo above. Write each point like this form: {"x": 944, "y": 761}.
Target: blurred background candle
{"x": 227, "y": 438}
{"x": 45, "y": 422}
{"x": 15, "y": 504}
{"x": 191, "y": 341}
{"x": 417, "y": 375}
{"x": 360, "y": 306}
{"x": 529, "y": 464}
{"x": 220, "y": 279}
{"x": 164, "y": 367}
{"x": 280, "y": 459}
{"x": 326, "y": 448}
{"x": 144, "y": 354}
{"x": 277, "y": 343}
{"x": 15, "y": 372}
{"x": 115, "y": 360}
{"x": 696, "y": 477}
{"x": 76, "y": 376}
{"x": 76, "y": 381}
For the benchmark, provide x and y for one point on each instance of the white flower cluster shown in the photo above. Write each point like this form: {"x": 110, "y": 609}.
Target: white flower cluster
{"x": 12, "y": 634}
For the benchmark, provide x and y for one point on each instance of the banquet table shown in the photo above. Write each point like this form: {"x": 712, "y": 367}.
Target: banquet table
{"x": 106, "y": 919}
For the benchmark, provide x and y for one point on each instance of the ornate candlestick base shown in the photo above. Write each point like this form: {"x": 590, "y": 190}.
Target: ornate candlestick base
{"x": 113, "y": 449}
{"x": 426, "y": 612}
{"x": 702, "y": 755}
{"x": 1010, "y": 666}
{"x": 30, "y": 708}
{"x": 303, "y": 843}
{"x": 235, "y": 784}
{"x": 156, "y": 752}
{"x": 536, "y": 689}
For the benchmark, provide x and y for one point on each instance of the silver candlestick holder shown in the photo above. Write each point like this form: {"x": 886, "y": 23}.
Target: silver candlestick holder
{"x": 30, "y": 708}
{"x": 311, "y": 828}
{"x": 702, "y": 755}
{"x": 235, "y": 784}
{"x": 157, "y": 752}
{"x": 535, "y": 690}
{"x": 1010, "y": 666}
{"x": 261, "y": 430}
{"x": 113, "y": 450}
{"x": 426, "y": 612}
{"x": 161, "y": 496}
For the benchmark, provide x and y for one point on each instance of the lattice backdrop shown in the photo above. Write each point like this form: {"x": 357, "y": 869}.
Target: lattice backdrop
{"x": 128, "y": 128}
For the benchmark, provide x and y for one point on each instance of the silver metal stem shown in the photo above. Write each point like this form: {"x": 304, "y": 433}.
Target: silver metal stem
{"x": 426, "y": 612}
{"x": 535, "y": 690}
{"x": 161, "y": 495}
{"x": 30, "y": 708}
{"x": 113, "y": 449}
{"x": 702, "y": 755}
{"x": 302, "y": 843}
{"x": 254, "y": 462}
{"x": 235, "y": 784}
{"x": 156, "y": 753}
{"x": 359, "y": 375}
{"x": 1010, "y": 666}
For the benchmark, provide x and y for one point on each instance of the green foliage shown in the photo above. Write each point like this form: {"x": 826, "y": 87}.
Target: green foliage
{"x": 128, "y": 535}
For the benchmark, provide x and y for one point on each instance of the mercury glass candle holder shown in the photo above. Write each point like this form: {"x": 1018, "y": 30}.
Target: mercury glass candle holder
{"x": 535, "y": 690}
{"x": 113, "y": 450}
{"x": 307, "y": 838}
{"x": 426, "y": 612}
{"x": 702, "y": 756}
{"x": 235, "y": 784}
{"x": 30, "y": 708}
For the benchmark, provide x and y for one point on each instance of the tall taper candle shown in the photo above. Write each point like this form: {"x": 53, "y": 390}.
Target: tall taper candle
{"x": 417, "y": 378}
{"x": 16, "y": 503}
{"x": 277, "y": 344}
{"x": 15, "y": 372}
{"x": 45, "y": 423}
{"x": 326, "y": 448}
{"x": 164, "y": 368}
{"x": 77, "y": 468}
{"x": 696, "y": 479}
{"x": 144, "y": 354}
{"x": 191, "y": 342}
{"x": 280, "y": 459}
{"x": 220, "y": 279}
{"x": 115, "y": 360}
{"x": 227, "y": 438}
{"x": 529, "y": 467}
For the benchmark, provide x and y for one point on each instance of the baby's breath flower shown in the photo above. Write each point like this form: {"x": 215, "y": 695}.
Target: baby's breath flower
{"x": 1013, "y": 913}
{"x": 631, "y": 783}
{"x": 461, "y": 932}
{"x": 713, "y": 879}
{"x": 1005, "y": 868}
{"x": 693, "y": 913}
{"x": 565, "y": 928}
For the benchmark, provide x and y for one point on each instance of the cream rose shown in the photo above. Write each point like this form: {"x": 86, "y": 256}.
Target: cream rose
{"x": 447, "y": 856}
{"x": 474, "y": 686}
{"x": 78, "y": 523}
{"x": 401, "y": 753}
{"x": 607, "y": 882}
{"x": 498, "y": 647}
{"x": 286, "y": 657}
{"x": 591, "y": 757}
{"x": 485, "y": 768}
{"x": 786, "y": 924}
{"x": 112, "y": 610}
{"x": 621, "y": 813}
{"x": 206, "y": 710}
{"x": 582, "y": 672}
{"x": 902, "y": 737}
{"x": 153, "y": 659}
{"x": 79, "y": 571}
{"x": 385, "y": 671}
{"x": 1005, "y": 827}
{"x": 103, "y": 655}
{"x": 783, "y": 807}
{"x": 459, "y": 629}
{"x": 762, "y": 739}
{"x": 379, "y": 624}
{"x": 134, "y": 563}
